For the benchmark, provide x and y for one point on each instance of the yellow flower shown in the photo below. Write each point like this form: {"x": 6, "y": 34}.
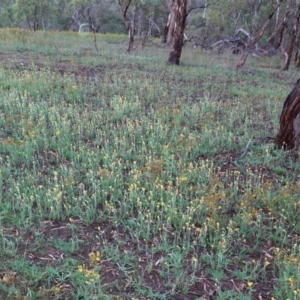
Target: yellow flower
{"x": 95, "y": 258}
{"x": 72, "y": 88}
{"x": 182, "y": 179}
{"x": 81, "y": 268}
{"x": 9, "y": 278}
{"x": 58, "y": 288}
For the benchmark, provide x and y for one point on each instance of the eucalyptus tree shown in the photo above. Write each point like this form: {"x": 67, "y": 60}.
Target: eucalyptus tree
{"x": 179, "y": 15}
{"x": 174, "y": 31}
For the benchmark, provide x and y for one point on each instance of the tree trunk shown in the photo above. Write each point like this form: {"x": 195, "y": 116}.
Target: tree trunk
{"x": 288, "y": 135}
{"x": 35, "y": 21}
{"x": 129, "y": 25}
{"x": 131, "y": 37}
{"x": 169, "y": 28}
{"x": 165, "y": 34}
{"x": 277, "y": 17}
{"x": 289, "y": 52}
{"x": 180, "y": 14}
{"x": 171, "y": 25}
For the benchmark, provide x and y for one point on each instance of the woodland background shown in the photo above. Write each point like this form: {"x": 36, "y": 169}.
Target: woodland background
{"x": 210, "y": 20}
{"x": 259, "y": 27}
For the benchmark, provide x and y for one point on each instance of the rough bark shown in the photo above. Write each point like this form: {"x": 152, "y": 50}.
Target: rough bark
{"x": 180, "y": 14}
{"x": 256, "y": 38}
{"x": 288, "y": 135}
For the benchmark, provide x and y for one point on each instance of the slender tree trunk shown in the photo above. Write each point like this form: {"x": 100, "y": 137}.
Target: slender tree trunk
{"x": 289, "y": 52}
{"x": 131, "y": 37}
{"x": 129, "y": 25}
{"x": 165, "y": 34}
{"x": 256, "y": 38}
{"x": 204, "y": 10}
{"x": 35, "y": 21}
{"x": 277, "y": 17}
{"x": 180, "y": 14}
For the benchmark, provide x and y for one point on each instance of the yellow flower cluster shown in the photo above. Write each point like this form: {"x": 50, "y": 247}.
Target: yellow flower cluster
{"x": 90, "y": 275}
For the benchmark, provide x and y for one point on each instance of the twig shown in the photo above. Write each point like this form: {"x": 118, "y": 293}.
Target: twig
{"x": 245, "y": 151}
{"x": 95, "y": 40}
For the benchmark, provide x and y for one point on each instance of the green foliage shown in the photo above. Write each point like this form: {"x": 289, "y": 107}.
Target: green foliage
{"x": 226, "y": 17}
{"x": 32, "y": 11}
{"x": 6, "y": 16}
{"x": 223, "y": 16}
{"x": 111, "y": 23}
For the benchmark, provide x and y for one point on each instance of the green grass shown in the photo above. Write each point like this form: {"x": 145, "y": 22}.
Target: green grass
{"x": 120, "y": 180}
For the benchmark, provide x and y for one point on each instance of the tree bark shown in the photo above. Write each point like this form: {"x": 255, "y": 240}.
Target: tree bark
{"x": 288, "y": 135}
{"x": 169, "y": 28}
{"x": 180, "y": 14}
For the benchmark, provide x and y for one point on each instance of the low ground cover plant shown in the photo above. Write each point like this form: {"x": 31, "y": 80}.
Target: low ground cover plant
{"x": 125, "y": 178}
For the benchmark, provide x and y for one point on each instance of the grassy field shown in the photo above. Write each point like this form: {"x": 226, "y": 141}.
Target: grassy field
{"x": 123, "y": 177}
